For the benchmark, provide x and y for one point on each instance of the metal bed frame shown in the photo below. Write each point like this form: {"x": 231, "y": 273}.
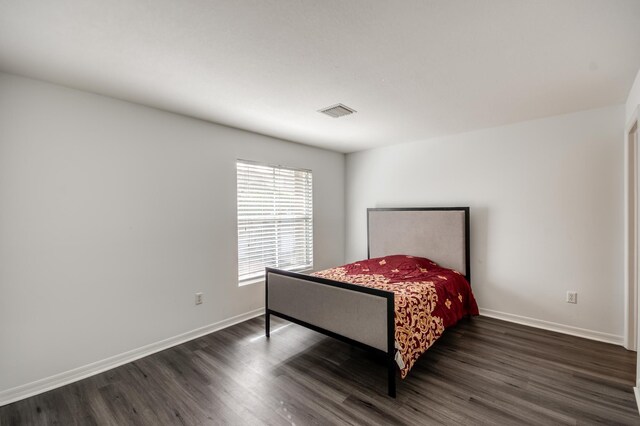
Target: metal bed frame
{"x": 358, "y": 315}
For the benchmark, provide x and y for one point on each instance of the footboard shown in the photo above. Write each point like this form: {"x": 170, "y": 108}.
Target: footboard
{"x": 355, "y": 314}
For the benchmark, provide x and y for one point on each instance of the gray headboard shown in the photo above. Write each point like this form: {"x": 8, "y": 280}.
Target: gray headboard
{"x": 438, "y": 233}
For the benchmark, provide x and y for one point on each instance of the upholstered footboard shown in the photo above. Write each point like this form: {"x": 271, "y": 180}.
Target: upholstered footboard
{"x": 358, "y": 315}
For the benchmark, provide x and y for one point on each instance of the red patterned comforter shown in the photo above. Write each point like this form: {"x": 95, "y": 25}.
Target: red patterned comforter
{"x": 428, "y": 298}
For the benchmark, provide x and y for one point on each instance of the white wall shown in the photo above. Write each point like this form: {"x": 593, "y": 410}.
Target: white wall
{"x": 113, "y": 215}
{"x": 546, "y": 200}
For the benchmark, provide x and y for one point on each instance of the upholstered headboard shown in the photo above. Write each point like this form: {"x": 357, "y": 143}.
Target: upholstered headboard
{"x": 438, "y": 233}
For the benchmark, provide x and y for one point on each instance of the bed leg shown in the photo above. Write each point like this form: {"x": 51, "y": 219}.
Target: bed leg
{"x": 392, "y": 376}
{"x": 267, "y": 324}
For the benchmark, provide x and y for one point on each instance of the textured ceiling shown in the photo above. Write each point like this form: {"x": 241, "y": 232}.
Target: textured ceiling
{"x": 412, "y": 69}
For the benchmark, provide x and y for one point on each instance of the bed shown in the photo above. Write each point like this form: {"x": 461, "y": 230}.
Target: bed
{"x": 396, "y": 303}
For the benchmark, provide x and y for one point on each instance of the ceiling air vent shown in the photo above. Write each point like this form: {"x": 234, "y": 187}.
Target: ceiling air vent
{"x": 338, "y": 110}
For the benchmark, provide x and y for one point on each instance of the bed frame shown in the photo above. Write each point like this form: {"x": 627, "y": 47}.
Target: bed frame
{"x": 363, "y": 316}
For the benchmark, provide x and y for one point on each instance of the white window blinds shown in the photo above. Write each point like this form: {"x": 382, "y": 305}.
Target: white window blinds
{"x": 275, "y": 219}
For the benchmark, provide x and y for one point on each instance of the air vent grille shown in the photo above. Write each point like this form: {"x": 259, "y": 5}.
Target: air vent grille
{"x": 337, "y": 111}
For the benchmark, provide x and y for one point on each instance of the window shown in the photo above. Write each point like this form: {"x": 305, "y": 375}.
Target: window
{"x": 275, "y": 219}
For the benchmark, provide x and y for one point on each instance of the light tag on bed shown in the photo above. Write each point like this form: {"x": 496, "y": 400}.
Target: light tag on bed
{"x": 399, "y": 360}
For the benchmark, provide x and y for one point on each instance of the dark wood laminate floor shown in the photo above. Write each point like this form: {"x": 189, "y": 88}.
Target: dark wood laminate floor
{"x": 483, "y": 371}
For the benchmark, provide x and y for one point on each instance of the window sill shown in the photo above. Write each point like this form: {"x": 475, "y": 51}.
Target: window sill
{"x": 250, "y": 282}
{"x": 260, "y": 280}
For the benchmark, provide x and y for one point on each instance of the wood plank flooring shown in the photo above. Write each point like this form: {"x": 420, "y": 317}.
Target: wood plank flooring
{"x": 483, "y": 371}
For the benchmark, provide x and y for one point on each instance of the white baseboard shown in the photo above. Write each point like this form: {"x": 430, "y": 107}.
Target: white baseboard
{"x": 636, "y": 391}
{"x": 554, "y": 326}
{"x": 43, "y": 385}
{"x": 24, "y": 391}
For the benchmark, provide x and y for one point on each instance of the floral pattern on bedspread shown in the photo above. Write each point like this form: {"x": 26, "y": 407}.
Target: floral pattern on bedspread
{"x": 428, "y": 298}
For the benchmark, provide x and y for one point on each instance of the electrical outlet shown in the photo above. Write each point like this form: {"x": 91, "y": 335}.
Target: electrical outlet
{"x": 572, "y": 297}
{"x": 198, "y": 298}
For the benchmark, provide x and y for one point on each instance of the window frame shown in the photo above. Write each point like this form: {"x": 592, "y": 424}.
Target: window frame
{"x": 309, "y": 201}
